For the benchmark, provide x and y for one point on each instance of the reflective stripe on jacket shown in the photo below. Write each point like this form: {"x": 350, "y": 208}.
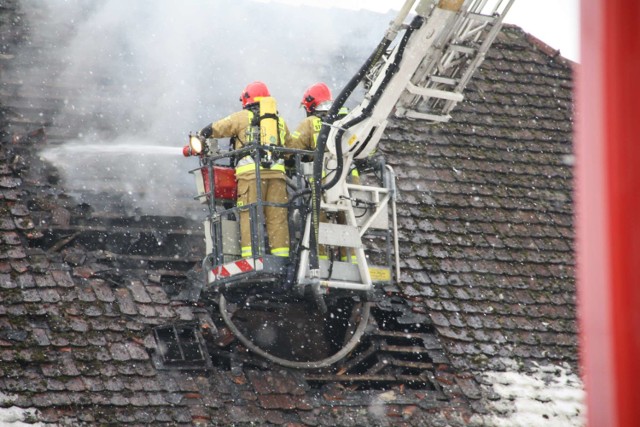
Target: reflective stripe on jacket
{"x": 306, "y": 135}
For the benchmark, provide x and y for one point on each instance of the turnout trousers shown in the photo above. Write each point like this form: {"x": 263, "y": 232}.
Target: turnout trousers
{"x": 274, "y": 190}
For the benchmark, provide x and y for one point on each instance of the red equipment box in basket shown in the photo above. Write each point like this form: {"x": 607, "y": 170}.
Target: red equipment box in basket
{"x": 224, "y": 182}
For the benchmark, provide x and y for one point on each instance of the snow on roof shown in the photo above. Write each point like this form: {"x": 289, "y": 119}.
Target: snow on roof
{"x": 549, "y": 394}
{"x": 14, "y": 416}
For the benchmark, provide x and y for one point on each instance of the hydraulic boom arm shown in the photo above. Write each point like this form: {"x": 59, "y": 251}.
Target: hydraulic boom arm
{"x": 418, "y": 71}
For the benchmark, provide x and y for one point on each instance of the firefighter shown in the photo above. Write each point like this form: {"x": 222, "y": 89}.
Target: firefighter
{"x": 317, "y": 101}
{"x": 246, "y": 127}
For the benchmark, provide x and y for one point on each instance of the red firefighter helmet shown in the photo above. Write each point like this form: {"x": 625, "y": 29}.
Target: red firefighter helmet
{"x": 317, "y": 98}
{"x": 252, "y": 91}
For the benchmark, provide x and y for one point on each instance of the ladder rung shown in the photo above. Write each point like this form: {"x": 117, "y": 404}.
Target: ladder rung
{"x": 444, "y": 80}
{"x": 462, "y": 49}
{"x": 434, "y": 93}
{"x": 480, "y": 17}
{"x": 423, "y": 116}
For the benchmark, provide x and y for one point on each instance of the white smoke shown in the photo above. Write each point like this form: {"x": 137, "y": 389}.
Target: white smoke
{"x": 153, "y": 70}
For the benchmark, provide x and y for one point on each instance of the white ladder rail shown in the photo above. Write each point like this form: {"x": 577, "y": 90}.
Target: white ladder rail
{"x": 437, "y": 86}
{"x": 482, "y": 51}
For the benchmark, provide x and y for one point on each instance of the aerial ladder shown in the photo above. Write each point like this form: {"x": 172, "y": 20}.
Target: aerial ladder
{"x": 422, "y": 77}
{"x": 418, "y": 71}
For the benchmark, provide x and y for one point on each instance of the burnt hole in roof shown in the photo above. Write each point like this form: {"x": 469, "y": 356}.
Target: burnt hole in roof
{"x": 391, "y": 353}
{"x": 295, "y": 331}
{"x": 401, "y": 319}
{"x": 156, "y": 248}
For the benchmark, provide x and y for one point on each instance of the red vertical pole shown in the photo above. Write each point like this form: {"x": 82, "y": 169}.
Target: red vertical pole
{"x": 608, "y": 209}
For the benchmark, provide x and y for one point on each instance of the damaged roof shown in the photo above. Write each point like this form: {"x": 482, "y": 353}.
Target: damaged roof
{"x": 487, "y": 249}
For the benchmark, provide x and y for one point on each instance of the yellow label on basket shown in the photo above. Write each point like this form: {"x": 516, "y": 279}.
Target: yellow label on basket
{"x": 380, "y": 274}
{"x": 353, "y": 140}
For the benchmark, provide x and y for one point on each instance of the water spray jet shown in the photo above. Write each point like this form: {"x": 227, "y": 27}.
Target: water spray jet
{"x": 74, "y": 149}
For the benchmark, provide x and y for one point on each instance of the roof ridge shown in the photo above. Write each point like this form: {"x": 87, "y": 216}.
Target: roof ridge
{"x": 544, "y": 47}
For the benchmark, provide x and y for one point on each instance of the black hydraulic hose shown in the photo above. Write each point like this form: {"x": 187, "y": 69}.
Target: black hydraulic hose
{"x": 332, "y": 114}
{"x": 318, "y": 162}
{"x": 346, "y": 92}
{"x": 355, "y": 339}
{"x": 366, "y": 112}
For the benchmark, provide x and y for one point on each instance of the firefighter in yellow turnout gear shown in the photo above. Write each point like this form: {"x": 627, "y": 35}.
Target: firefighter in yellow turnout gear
{"x": 258, "y": 122}
{"x": 317, "y": 101}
